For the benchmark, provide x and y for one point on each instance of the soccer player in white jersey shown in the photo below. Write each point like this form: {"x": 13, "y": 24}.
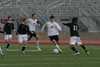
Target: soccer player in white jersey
{"x": 32, "y": 22}
{"x": 53, "y": 32}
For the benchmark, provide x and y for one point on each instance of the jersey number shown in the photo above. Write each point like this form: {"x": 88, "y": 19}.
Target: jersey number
{"x": 75, "y": 28}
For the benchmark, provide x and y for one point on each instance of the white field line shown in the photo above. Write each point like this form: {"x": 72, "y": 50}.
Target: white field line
{"x": 15, "y": 50}
{"x": 60, "y": 63}
{"x": 51, "y": 59}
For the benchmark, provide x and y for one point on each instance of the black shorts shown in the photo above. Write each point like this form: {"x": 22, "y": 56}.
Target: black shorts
{"x": 55, "y": 37}
{"x": 32, "y": 34}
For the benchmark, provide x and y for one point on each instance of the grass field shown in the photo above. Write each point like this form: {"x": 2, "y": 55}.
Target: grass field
{"x": 46, "y": 58}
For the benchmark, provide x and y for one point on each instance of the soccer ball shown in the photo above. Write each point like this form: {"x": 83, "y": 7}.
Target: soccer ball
{"x": 55, "y": 51}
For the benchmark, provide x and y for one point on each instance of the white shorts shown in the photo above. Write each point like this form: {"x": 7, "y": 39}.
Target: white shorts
{"x": 75, "y": 40}
{"x": 6, "y": 37}
{"x": 22, "y": 38}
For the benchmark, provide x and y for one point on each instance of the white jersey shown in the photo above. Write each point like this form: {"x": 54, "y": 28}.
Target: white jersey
{"x": 32, "y": 24}
{"x": 53, "y": 28}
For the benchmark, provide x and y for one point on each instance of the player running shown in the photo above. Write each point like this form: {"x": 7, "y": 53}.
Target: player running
{"x": 53, "y": 32}
{"x": 22, "y": 32}
{"x": 74, "y": 36}
{"x": 8, "y": 29}
{"x": 32, "y": 22}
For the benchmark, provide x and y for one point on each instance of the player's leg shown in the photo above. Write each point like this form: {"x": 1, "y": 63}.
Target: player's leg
{"x": 8, "y": 39}
{"x": 24, "y": 43}
{"x": 30, "y": 36}
{"x": 55, "y": 41}
{"x": 72, "y": 43}
{"x": 82, "y": 46}
{"x": 20, "y": 40}
{"x": 1, "y": 53}
{"x": 37, "y": 43}
{"x": 24, "y": 46}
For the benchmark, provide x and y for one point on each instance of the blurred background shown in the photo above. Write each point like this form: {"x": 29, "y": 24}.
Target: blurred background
{"x": 88, "y": 12}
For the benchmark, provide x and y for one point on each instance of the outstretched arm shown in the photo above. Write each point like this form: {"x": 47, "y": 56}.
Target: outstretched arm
{"x": 43, "y": 27}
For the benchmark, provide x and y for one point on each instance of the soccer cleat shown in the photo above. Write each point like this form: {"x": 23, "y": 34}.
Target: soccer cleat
{"x": 23, "y": 52}
{"x": 39, "y": 49}
{"x": 1, "y": 54}
{"x": 77, "y": 53}
{"x": 87, "y": 52}
{"x": 6, "y": 49}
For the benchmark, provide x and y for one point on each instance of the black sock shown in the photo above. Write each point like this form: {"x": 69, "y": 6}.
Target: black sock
{"x": 84, "y": 48}
{"x": 74, "y": 49}
{"x": 23, "y": 48}
{"x": 7, "y": 46}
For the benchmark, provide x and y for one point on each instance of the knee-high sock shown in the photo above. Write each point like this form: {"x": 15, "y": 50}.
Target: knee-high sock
{"x": 23, "y": 48}
{"x": 37, "y": 44}
{"x": 84, "y": 48}
{"x": 57, "y": 46}
{"x": 74, "y": 49}
{"x": 7, "y": 46}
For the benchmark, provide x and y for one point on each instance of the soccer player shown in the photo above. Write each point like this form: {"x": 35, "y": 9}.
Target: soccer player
{"x": 74, "y": 36}
{"x": 22, "y": 32}
{"x": 32, "y": 22}
{"x": 8, "y": 29}
{"x": 53, "y": 32}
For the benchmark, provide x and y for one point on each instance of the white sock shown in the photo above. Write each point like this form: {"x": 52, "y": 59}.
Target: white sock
{"x": 57, "y": 46}
{"x": 1, "y": 50}
{"x": 37, "y": 44}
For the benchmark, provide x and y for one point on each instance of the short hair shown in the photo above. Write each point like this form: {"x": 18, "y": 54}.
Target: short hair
{"x": 74, "y": 19}
{"x": 33, "y": 14}
{"x": 9, "y": 17}
{"x": 52, "y": 17}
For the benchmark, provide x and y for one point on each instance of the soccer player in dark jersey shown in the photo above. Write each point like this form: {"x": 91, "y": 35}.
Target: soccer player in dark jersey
{"x": 74, "y": 36}
{"x": 8, "y": 29}
{"x": 22, "y": 32}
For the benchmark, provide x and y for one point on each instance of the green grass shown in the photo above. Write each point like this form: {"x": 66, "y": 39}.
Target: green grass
{"x": 46, "y": 58}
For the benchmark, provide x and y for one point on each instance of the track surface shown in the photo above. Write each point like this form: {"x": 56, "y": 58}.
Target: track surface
{"x": 88, "y": 42}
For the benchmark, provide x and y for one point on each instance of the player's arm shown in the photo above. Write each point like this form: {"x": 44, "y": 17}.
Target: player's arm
{"x": 67, "y": 24}
{"x": 13, "y": 28}
{"x": 4, "y": 28}
{"x": 28, "y": 31}
{"x": 18, "y": 29}
{"x": 44, "y": 26}
{"x": 59, "y": 28}
{"x": 38, "y": 22}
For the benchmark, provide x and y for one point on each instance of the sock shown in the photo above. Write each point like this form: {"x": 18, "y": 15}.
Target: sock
{"x": 57, "y": 46}
{"x": 84, "y": 48}
{"x": 37, "y": 44}
{"x": 23, "y": 48}
{"x": 1, "y": 50}
{"x": 74, "y": 49}
{"x": 7, "y": 46}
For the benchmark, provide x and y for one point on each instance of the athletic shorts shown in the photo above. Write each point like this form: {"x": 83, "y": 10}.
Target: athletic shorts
{"x": 6, "y": 37}
{"x": 75, "y": 40}
{"x": 55, "y": 37}
{"x": 32, "y": 34}
{"x": 22, "y": 38}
